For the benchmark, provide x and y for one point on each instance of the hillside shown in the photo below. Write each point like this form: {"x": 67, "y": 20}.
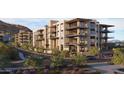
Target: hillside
{"x": 13, "y": 28}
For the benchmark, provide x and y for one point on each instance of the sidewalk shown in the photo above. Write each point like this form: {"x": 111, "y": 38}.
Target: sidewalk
{"x": 106, "y": 68}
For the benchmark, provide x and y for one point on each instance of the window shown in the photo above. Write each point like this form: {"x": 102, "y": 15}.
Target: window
{"x": 92, "y": 25}
{"x": 92, "y": 37}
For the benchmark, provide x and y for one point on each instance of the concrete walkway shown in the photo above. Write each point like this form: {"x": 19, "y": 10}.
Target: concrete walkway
{"x": 106, "y": 68}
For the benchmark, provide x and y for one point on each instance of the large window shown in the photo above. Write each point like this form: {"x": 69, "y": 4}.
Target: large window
{"x": 92, "y": 25}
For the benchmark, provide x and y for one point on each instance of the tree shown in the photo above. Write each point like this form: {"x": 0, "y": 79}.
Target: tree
{"x": 118, "y": 56}
{"x": 13, "y": 54}
{"x": 93, "y": 51}
{"x": 4, "y": 62}
{"x": 8, "y": 52}
{"x": 79, "y": 59}
{"x": 3, "y": 49}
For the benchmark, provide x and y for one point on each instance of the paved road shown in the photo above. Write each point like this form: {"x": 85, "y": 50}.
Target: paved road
{"x": 106, "y": 68}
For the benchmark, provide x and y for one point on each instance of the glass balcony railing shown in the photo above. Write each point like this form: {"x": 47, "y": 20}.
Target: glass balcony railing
{"x": 106, "y": 31}
{"x": 71, "y": 43}
{"x": 106, "y": 37}
{"x": 76, "y": 26}
{"x": 84, "y": 26}
{"x": 76, "y": 35}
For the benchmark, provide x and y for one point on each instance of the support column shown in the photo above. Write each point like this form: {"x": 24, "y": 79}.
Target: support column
{"x": 106, "y": 39}
{"x": 78, "y": 41}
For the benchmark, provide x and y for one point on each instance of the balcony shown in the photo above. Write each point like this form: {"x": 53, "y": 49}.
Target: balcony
{"x": 71, "y": 44}
{"x": 39, "y": 39}
{"x": 40, "y": 34}
{"x": 71, "y": 27}
{"x": 83, "y": 44}
{"x": 53, "y": 37}
{"x": 75, "y": 35}
{"x": 92, "y": 33}
{"x": 84, "y": 25}
{"x": 92, "y": 37}
{"x": 76, "y": 27}
{"x": 53, "y": 31}
{"x": 105, "y": 37}
{"x": 92, "y": 44}
{"x": 106, "y": 31}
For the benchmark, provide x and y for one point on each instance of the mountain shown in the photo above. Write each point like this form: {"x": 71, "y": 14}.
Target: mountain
{"x": 13, "y": 28}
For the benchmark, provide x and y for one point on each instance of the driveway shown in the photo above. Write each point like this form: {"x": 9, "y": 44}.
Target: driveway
{"x": 105, "y": 67}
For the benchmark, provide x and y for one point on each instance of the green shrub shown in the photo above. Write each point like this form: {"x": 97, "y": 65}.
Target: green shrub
{"x": 93, "y": 51}
{"x": 8, "y": 52}
{"x": 79, "y": 59}
{"x": 57, "y": 58}
{"x": 33, "y": 62}
{"x": 118, "y": 56}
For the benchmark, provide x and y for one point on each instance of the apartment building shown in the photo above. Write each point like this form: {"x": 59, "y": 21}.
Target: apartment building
{"x": 1, "y": 35}
{"x": 103, "y": 31}
{"x": 39, "y": 38}
{"x": 23, "y": 37}
{"x": 5, "y": 36}
{"x": 74, "y": 35}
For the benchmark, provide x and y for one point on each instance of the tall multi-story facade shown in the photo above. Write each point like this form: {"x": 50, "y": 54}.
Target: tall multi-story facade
{"x": 5, "y": 36}
{"x": 75, "y": 35}
{"x": 1, "y": 35}
{"x": 23, "y": 37}
{"x": 39, "y": 38}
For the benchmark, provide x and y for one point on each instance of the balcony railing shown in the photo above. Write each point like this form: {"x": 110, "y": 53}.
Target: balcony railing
{"x": 84, "y": 26}
{"x": 39, "y": 39}
{"x": 92, "y": 33}
{"x": 83, "y": 43}
{"x": 53, "y": 37}
{"x": 105, "y": 37}
{"x": 53, "y": 31}
{"x": 75, "y": 27}
{"x": 75, "y": 35}
{"x": 71, "y": 43}
{"x": 106, "y": 31}
{"x": 40, "y": 34}
{"x": 75, "y": 44}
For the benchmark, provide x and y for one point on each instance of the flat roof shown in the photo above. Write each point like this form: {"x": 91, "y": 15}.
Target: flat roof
{"x": 40, "y": 29}
{"x": 77, "y": 19}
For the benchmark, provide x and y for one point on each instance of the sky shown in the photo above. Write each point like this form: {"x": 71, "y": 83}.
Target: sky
{"x": 37, "y": 23}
